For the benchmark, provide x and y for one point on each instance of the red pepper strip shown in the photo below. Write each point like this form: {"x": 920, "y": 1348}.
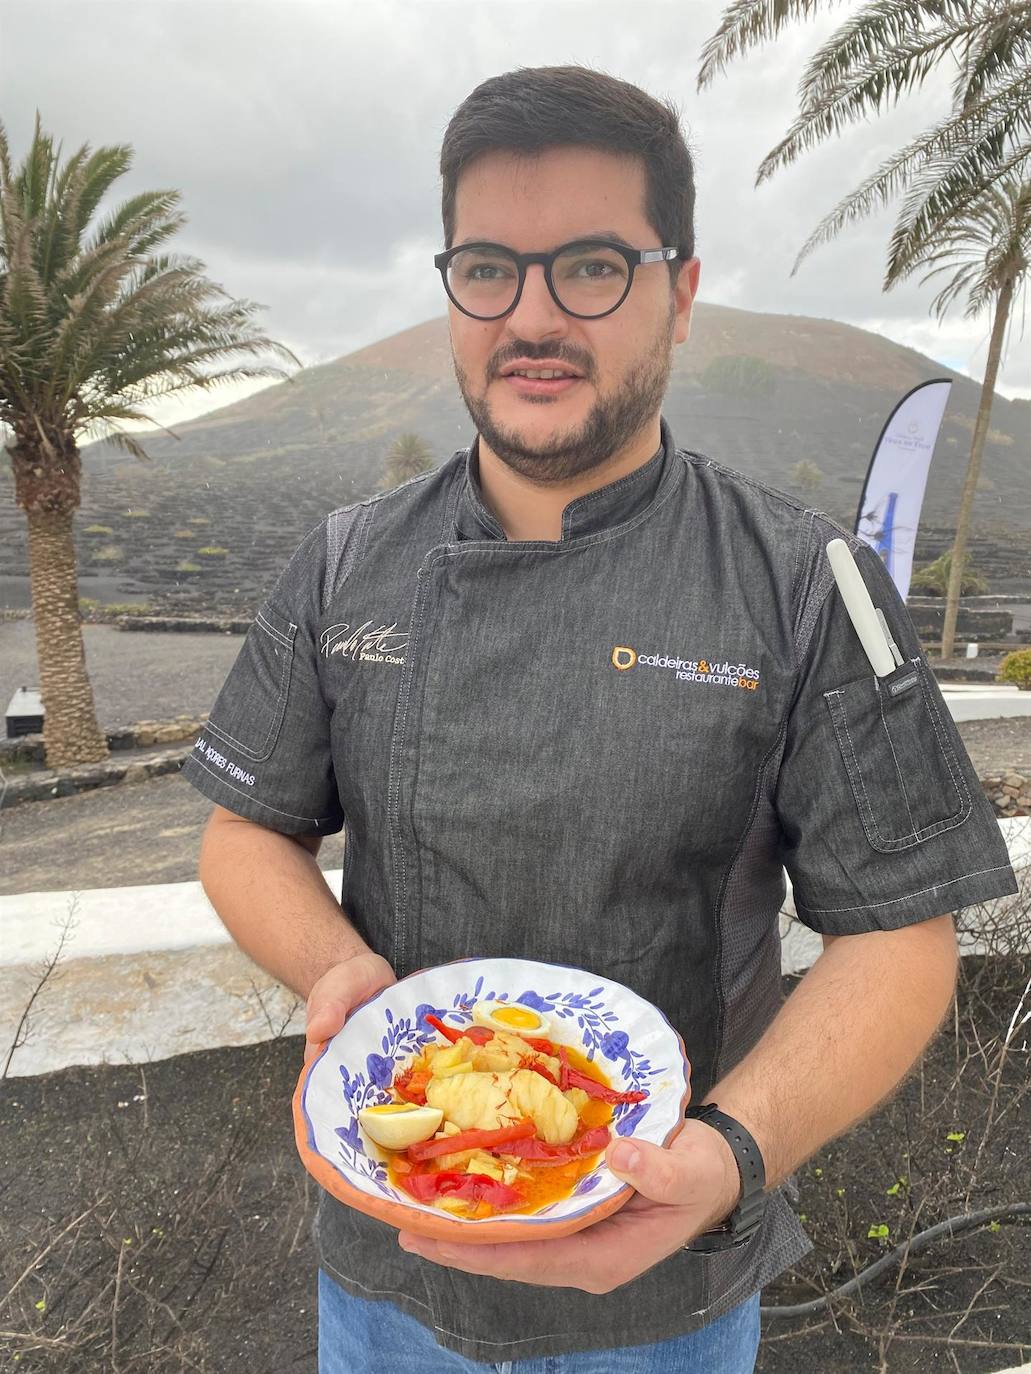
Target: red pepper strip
{"x": 593, "y": 1088}
{"x": 469, "y": 1187}
{"x": 471, "y": 1140}
{"x": 563, "y": 1073}
{"x": 527, "y": 1063}
{"x": 478, "y": 1034}
{"x": 541, "y": 1046}
{"x": 538, "y": 1152}
{"x": 411, "y": 1085}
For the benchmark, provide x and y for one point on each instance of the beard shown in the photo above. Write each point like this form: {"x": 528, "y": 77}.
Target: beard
{"x": 614, "y": 420}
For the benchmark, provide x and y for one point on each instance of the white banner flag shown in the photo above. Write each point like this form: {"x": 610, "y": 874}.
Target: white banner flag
{"x": 889, "y": 508}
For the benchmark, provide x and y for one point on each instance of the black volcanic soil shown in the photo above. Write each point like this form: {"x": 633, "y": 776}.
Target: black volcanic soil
{"x": 190, "y": 1168}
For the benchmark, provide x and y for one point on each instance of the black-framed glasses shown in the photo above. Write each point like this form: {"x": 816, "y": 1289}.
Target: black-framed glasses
{"x": 587, "y": 278}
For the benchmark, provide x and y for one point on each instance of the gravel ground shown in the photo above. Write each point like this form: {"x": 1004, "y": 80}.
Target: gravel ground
{"x": 135, "y": 676}
{"x": 112, "y": 837}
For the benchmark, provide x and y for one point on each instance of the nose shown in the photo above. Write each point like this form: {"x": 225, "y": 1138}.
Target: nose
{"x": 536, "y": 315}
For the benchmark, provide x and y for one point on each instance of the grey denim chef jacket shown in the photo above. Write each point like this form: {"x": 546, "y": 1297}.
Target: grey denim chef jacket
{"x": 603, "y": 751}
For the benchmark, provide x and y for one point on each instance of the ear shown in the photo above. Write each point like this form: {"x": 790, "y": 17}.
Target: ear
{"x": 684, "y": 292}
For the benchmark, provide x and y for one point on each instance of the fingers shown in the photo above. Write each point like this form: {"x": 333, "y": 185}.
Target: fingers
{"x": 340, "y": 989}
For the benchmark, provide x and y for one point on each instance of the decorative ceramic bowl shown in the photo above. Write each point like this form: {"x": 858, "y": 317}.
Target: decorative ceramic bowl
{"x": 629, "y": 1039}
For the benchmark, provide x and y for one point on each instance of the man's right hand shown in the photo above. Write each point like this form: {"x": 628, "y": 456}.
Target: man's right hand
{"x": 338, "y": 991}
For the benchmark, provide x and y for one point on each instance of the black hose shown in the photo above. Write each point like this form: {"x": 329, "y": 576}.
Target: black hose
{"x": 913, "y": 1246}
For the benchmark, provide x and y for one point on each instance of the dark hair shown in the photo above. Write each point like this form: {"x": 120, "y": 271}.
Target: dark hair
{"x": 533, "y": 108}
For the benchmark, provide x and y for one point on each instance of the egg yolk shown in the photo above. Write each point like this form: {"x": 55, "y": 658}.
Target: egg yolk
{"x": 516, "y": 1018}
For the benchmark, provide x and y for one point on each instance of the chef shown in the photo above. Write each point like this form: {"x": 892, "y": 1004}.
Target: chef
{"x": 583, "y": 694}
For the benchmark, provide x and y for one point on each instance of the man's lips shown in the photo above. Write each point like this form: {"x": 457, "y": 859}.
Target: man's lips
{"x": 539, "y": 386}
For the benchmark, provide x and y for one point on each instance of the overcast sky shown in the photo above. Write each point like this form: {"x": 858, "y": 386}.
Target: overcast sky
{"x": 304, "y": 136}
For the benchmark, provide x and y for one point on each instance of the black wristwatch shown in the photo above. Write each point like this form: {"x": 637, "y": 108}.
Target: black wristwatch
{"x": 745, "y": 1219}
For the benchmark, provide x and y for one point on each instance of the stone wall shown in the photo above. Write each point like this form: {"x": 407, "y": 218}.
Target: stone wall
{"x": 143, "y": 735}
{"x": 1009, "y": 793}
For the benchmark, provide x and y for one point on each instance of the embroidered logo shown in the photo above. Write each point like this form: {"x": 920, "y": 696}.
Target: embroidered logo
{"x": 689, "y": 669}
{"x": 368, "y": 643}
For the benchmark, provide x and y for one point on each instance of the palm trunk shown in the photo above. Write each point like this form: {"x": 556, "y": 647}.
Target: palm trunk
{"x": 46, "y": 482}
{"x": 966, "y": 504}
{"x": 70, "y": 730}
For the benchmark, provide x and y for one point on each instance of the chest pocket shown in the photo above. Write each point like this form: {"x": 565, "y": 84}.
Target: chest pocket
{"x": 248, "y": 712}
{"x": 899, "y": 757}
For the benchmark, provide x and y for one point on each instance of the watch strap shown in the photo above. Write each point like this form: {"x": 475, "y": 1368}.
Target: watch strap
{"x": 747, "y": 1216}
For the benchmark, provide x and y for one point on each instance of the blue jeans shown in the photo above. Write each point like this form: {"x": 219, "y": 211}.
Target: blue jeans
{"x": 361, "y": 1337}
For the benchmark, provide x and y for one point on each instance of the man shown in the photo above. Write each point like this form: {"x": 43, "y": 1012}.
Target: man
{"x": 581, "y": 696}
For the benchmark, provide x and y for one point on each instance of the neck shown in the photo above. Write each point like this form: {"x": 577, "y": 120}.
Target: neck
{"x": 526, "y": 509}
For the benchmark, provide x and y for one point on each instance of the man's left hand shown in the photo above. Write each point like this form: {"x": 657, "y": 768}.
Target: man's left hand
{"x": 681, "y": 1191}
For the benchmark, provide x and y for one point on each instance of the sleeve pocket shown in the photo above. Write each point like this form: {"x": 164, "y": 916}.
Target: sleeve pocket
{"x": 249, "y": 710}
{"x": 901, "y": 764}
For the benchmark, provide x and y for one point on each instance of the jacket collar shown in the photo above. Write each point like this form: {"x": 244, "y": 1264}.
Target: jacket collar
{"x": 602, "y": 509}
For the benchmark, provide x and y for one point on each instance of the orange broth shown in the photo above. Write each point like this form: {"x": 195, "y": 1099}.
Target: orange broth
{"x": 547, "y": 1182}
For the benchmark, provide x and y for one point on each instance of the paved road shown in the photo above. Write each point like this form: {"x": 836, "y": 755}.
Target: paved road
{"x": 135, "y": 675}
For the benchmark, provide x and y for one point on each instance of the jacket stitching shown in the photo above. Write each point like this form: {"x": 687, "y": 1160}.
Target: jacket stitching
{"x": 312, "y": 820}
{"x": 866, "y": 906}
{"x": 886, "y": 843}
{"x": 260, "y": 753}
{"x": 891, "y": 746}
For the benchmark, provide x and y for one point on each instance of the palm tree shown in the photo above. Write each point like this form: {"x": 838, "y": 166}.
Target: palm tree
{"x": 965, "y": 179}
{"x": 407, "y": 459}
{"x": 879, "y": 53}
{"x": 984, "y": 251}
{"x": 93, "y": 327}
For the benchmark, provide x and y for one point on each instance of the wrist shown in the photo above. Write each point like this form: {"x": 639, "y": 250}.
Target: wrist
{"x": 738, "y": 1208}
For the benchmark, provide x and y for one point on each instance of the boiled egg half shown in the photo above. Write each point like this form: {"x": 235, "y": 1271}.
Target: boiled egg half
{"x": 515, "y": 1017}
{"x": 396, "y": 1125}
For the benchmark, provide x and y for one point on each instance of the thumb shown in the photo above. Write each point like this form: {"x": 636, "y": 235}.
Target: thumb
{"x": 654, "y": 1172}
{"x": 325, "y": 1020}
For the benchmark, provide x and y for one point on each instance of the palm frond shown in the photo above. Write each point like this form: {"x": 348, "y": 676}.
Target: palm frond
{"x": 1000, "y": 42}
{"x": 975, "y": 160}
{"x": 941, "y": 193}
{"x": 746, "y": 24}
{"x": 878, "y": 83}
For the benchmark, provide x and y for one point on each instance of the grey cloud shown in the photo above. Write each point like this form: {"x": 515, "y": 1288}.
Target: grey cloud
{"x": 305, "y": 137}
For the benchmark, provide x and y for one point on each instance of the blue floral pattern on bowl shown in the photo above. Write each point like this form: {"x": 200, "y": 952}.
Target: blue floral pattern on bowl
{"x": 631, "y": 1040}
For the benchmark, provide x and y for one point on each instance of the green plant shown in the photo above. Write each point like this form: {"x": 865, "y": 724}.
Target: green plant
{"x": 129, "y": 608}
{"x": 185, "y": 534}
{"x": 409, "y": 457}
{"x": 933, "y": 578}
{"x": 198, "y": 520}
{"x": 110, "y": 553}
{"x": 212, "y": 551}
{"x": 98, "y": 529}
{"x": 1016, "y": 668}
{"x": 187, "y": 567}
{"x": 740, "y": 374}
{"x": 137, "y": 515}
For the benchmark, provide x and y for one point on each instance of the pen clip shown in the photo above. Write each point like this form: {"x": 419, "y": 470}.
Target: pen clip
{"x": 887, "y": 635}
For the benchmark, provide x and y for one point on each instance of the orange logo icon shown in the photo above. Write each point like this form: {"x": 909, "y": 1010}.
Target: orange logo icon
{"x": 623, "y": 658}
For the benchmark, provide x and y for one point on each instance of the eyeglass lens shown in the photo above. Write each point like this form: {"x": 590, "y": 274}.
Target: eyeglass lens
{"x": 588, "y": 280}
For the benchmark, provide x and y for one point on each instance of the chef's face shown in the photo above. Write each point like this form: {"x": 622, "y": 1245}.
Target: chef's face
{"x": 551, "y": 433}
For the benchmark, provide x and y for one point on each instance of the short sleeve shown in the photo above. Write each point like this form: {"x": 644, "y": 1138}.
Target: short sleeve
{"x": 883, "y": 819}
{"x": 265, "y": 752}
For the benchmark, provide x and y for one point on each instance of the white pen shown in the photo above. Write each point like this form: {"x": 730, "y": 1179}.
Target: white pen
{"x": 861, "y": 609}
